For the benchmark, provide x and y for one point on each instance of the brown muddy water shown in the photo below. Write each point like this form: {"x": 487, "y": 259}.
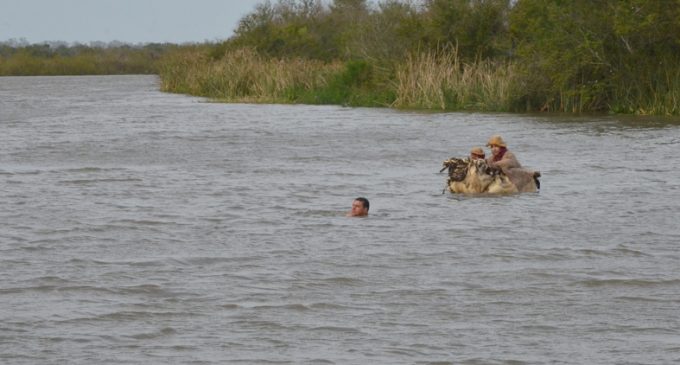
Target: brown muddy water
{"x": 147, "y": 228}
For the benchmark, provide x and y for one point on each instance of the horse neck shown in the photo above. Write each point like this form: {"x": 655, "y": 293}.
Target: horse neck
{"x": 477, "y": 181}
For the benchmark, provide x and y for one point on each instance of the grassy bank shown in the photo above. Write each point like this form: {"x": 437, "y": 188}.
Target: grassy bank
{"x": 434, "y": 80}
{"x": 439, "y": 80}
{"x": 243, "y": 76}
{"x": 430, "y": 79}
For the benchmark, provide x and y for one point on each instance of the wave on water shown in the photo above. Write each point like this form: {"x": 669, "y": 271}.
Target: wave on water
{"x": 642, "y": 283}
{"x": 161, "y": 229}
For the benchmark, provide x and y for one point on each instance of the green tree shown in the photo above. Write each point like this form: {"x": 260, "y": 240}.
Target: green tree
{"x": 288, "y": 28}
{"x": 591, "y": 55}
{"x": 390, "y": 32}
{"x": 478, "y": 28}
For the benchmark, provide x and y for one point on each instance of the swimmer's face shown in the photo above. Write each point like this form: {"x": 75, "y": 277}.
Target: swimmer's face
{"x": 358, "y": 209}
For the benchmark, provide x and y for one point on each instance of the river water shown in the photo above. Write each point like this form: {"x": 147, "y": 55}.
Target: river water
{"x": 139, "y": 227}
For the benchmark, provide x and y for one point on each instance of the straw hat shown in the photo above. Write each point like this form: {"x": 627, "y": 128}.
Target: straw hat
{"x": 496, "y": 140}
{"x": 477, "y": 151}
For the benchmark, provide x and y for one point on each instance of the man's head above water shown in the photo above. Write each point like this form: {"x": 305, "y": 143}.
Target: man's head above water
{"x": 359, "y": 208}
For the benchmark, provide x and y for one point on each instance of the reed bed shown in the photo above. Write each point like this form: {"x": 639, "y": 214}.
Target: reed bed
{"x": 658, "y": 94}
{"x": 435, "y": 80}
{"x": 245, "y": 76}
{"x": 439, "y": 80}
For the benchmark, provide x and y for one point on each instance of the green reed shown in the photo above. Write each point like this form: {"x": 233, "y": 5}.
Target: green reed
{"x": 436, "y": 80}
{"x": 425, "y": 81}
{"x": 656, "y": 94}
{"x": 439, "y": 80}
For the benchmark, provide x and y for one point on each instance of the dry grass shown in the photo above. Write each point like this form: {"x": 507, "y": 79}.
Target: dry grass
{"x": 434, "y": 80}
{"x": 438, "y": 80}
{"x": 244, "y": 76}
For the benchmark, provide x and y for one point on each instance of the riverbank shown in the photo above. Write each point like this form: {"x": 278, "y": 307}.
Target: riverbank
{"x": 437, "y": 79}
{"x": 429, "y": 80}
{"x": 433, "y": 80}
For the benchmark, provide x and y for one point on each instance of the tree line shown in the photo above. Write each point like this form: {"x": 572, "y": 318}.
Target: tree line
{"x": 19, "y": 58}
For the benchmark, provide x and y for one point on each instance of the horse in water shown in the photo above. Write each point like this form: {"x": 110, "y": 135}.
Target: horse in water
{"x": 476, "y": 176}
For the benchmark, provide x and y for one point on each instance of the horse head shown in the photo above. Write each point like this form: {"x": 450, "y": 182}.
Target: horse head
{"x": 458, "y": 168}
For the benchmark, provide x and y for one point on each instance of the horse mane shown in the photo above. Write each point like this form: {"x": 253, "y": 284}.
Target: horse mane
{"x": 484, "y": 168}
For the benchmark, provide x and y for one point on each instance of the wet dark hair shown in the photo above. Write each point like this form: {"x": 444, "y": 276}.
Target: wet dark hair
{"x": 363, "y": 201}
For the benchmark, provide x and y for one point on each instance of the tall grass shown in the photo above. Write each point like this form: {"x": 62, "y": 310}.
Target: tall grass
{"x": 439, "y": 80}
{"x": 656, "y": 94}
{"x": 244, "y": 76}
{"x": 434, "y": 80}
{"x": 426, "y": 80}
